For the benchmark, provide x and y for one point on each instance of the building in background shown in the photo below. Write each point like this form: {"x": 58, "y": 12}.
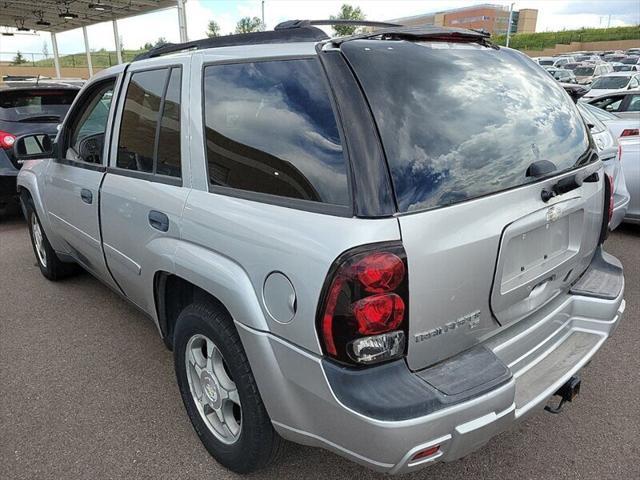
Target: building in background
{"x": 492, "y": 18}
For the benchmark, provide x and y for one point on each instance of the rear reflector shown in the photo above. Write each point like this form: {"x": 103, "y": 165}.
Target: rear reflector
{"x": 427, "y": 452}
{"x": 630, "y": 132}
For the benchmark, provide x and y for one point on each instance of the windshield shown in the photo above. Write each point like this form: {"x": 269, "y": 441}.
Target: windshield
{"x": 45, "y": 105}
{"x": 545, "y": 62}
{"x": 610, "y": 83}
{"x": 464, "y": 121}
{"x": 622, "y": 68}
{"x": 599, "y": 113}
{"x": 558, "y": 74}
{"x": 583, "y": 71}
{"x": 630, "y": 60}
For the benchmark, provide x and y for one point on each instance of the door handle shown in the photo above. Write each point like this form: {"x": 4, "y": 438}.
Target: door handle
{"x": 86, "y": 195}
{"x": 159, "y": 220}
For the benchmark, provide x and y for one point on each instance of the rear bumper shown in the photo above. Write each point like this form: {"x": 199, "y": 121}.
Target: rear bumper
{"x": 620, "y": 205}
{"x": 308, "y": 405}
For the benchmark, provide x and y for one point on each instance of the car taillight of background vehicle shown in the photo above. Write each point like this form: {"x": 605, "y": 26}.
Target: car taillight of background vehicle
{"x": 611, "y": 199}
{"x": 363, "y": 310}
{"x": 630, "y": 132}
{"x": 7, "y": 140}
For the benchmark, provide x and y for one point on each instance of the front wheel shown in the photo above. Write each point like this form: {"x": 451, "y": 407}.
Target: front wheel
{"x": 50, "y": 265}
{"x": 219, "y": 391}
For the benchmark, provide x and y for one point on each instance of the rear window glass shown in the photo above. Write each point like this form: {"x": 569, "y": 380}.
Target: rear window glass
{"x": 463, "y": 121}
{"x": 270, "y": 129}
{"x": 29, "y": 104}
{"x": 610, "y": 82}
{"x": 584, "y": 71}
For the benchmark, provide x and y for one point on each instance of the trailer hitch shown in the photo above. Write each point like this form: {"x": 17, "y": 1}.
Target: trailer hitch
{"x": 567, "y": 393}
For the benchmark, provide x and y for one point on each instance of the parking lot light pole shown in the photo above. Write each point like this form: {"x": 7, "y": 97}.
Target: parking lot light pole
{"x": 56, "y": 56}
{"x": 86, "y": 48}
{"x": 182, "y": 21}
{"x": 509, "y": 23}
{"x": 116, "y": 37}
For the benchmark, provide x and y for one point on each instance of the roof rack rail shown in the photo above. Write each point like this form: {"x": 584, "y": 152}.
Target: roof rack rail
{"x": 303, "y": 33}
{"x": 356, "y": 23}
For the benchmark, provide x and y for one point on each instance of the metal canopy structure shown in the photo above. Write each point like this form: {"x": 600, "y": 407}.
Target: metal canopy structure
{"x": 61, "y": 15}
{"x": 56, "y": 16}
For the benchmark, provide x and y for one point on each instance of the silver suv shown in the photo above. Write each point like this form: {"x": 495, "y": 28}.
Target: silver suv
{"x": 387, "y": 245}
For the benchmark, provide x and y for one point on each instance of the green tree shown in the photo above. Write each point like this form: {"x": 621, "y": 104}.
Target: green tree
{"x": 213, "y": 30}
{"x": 347, "y": 12}
{"x": 19, "y": 59}
{"x": 160, "y": 41}
{"x": 249, "y": 24}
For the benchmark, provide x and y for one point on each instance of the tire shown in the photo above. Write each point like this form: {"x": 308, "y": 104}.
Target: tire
{"x": 255, "y": 444}
{"x": 50, "y": 265}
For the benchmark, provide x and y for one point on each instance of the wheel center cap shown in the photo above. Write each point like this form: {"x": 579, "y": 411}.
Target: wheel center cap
{"x": 210, "y": 388}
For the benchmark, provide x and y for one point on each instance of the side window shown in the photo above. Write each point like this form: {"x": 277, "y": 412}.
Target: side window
{"x": 634, "y": 104}
{"x": 169, "y": 136}
{"x": 86, "y": 134}
{"x": 270, "y": 128}
{"x": 610, "y": 104}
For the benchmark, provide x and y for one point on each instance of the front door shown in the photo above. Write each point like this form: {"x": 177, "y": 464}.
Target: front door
{"x": 73, "y": 180}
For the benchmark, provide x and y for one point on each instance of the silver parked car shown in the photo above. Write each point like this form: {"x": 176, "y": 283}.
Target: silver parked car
{"x": 630, "y": 159}
{"x": 392, "y": 267}
{"x": 609, "y": 152}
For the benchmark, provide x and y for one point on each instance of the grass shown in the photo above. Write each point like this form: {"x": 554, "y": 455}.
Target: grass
{"x": 539, "y": 41}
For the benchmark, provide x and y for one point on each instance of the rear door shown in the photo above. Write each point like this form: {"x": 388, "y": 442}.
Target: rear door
{"x": 72, "y": 182}
{"x": 144, "y": 192}
{"x": 473, "y": 136}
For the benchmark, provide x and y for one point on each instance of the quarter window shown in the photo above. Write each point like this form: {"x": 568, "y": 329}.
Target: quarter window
{"x": 270, "y": 129}
{"x": 145, "y": 143}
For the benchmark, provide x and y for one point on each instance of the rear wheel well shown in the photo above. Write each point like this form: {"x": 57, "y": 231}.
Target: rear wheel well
{"x": 172, "y": 294}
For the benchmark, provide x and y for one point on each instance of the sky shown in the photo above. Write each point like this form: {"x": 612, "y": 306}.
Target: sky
{"x": 553, "y": 15}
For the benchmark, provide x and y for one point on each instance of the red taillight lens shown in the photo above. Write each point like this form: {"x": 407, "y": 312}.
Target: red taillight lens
{"x": 427, "y": 452}
{"x": 630, "y": 132}
{"x": 7, "y": 140}
{"x": 379, "y": 313}
{"x": 380, "y": 272}
{"x": 611, "y": 200}
{"x": 362, "y": 315}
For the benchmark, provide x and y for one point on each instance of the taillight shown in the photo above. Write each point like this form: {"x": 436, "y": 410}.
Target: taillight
{"x": 630, "y": 132}
{"x": 7, "y": 140}
{"x": 611, "y": 200}
{"x": 363, "y": 311}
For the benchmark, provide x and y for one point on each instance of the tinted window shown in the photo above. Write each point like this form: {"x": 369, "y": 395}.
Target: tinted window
{"x": 89, "y": 125}
{"x": 270, "y": 129}
{"x": 140, "y": 119}
{"x": 610, "y": 82}
{"x": 45, "y": 105}
{"x": 464, "y": 120}
{"x": 634, "y": 104}
{"x": 611, "y": 104}
{"x": 584, "y": 71}
{"x": 169, "y": 140}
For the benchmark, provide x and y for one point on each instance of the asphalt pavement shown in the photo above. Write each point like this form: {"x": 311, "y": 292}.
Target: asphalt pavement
{"x": 87, "y": 391}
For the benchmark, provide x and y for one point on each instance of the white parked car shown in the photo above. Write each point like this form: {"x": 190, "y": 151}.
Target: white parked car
{"x": 630, "y": 161}
{"x": 613, "y": 83}
{"x": 587, "y": 73}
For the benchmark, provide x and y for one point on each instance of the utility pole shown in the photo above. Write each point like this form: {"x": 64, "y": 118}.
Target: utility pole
{"x": 509, "y": 23}
{"x": 609, "y": 21}
{"x": 264, "y": 25}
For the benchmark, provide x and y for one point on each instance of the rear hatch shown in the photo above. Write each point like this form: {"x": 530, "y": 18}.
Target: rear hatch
{"x": 464, "y": 126}
{"x": 33, "y": 110}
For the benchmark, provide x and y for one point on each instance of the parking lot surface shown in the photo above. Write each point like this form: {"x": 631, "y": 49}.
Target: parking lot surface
{"x": 87, "y": 391}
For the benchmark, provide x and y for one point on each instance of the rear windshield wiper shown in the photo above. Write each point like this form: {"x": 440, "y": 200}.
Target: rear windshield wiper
{"x": 41, "y": 118}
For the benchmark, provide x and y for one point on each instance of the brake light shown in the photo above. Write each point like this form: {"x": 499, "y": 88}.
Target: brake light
{"x": 630, "y": 132}
{"x": 7, "y": 140}
{"x": 362, "y": 315}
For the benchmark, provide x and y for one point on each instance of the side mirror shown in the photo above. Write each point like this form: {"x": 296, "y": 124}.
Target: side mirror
{"x": 33, "y": 147}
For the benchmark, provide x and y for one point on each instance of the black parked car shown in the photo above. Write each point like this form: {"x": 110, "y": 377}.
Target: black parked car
{"x": 27, "y": 109}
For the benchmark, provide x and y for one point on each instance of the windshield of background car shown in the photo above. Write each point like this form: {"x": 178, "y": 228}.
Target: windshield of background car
{"x": 48, "y": 105}
{"x": 610, "y": 82}
{"x": 546, "y": 62}
{"x": 630, "y": 60}
{"x": 583, "y": 71}
{"x": 459, "y": 121}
